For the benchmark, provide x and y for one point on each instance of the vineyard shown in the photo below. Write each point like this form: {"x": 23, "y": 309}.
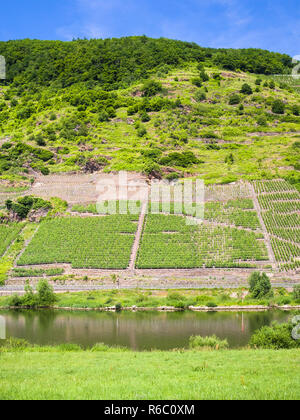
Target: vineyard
{"x": 168, "y": 242}
{"x": 280, "y": 205}
{"x": 233, "y": 230}
{"x": 103, "y": 242}
{"x": 8, "y": 233}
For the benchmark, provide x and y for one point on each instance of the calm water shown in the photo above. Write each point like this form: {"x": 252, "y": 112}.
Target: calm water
{"x": 139, "y": 331}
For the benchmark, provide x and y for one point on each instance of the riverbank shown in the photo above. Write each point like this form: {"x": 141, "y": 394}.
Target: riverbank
{"x": 172, "y": 300}
{"x": 112, "y": 374}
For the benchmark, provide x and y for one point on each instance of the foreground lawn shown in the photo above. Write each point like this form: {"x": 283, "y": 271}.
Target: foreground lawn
{"x": 245, "y": 374}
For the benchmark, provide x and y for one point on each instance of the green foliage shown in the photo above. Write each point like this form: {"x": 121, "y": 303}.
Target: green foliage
{"x": 260, "y": 286}
{"x": 197, "y": 81}
{"x": 278, "y": 107}
{"x": 183, "y": 160}
{"x": 276, "y": 337}
{"x": 213, "y": 342}
{"x": 151, "y": 168}
{"x": 252, "y": 60}
{"x": 151, "y": 88}
{"x": 22, "y": 206}
{"x": 46, "y": 296}
{"x": 246, "y": 89}
{"x": 229, "y": 159}
{"x": 296, "y": 292}
{"x": 200, "y": 96}
{"x": 204, "y": 76}
{"x": 296, "y": 110}
{"x": 234, "y": 99}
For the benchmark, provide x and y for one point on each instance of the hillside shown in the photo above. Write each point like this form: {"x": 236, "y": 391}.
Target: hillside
{"x": 161, "y": 107}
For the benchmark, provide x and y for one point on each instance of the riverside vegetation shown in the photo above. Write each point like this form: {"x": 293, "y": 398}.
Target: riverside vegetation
{"x": 260, "y": 293}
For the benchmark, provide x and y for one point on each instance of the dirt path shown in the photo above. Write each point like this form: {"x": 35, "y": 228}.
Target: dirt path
{"x": 266, "y": 234}
{"x": 138, "y": 236}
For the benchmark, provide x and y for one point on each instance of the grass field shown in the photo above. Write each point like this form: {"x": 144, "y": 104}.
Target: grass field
{"x": 112, "y": 375}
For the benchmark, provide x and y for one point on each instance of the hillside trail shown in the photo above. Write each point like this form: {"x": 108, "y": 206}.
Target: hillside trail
{"x": 266, "y": 233}
{"x": 138, "y": 236}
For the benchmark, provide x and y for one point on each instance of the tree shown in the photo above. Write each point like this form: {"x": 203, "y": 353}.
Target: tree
{"x": 278, "y": 107}
{"x": 45, "y": 294}
{"x": 260, "y": 285}
{"x": 246, "y": 89}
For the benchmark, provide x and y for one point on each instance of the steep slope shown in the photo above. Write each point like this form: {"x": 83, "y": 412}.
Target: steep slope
{"x": 162, "y": 107}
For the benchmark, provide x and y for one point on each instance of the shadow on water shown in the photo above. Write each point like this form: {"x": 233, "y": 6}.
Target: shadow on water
{"x": 138, "y": 331}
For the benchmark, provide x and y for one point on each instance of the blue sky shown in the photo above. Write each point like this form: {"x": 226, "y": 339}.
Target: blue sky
{"x": 269, "y": 24}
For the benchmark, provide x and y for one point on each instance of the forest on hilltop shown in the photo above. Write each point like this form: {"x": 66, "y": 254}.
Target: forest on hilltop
{"x": 116, "y": 63}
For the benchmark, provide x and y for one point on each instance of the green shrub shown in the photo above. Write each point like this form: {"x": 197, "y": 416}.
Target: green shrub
{"x": 103, "y": 116}
{"x": 200, "y": 96}
{"x": 172, "y": 176}
{"x": 229, "y": 159}
{"x": 145, "y": 117}
{"x": 276, "y": 337}
{"x": 296, "y": 110}
{"x": 262, "y": 121}
{"x": 183, "y": 160}
{"x": 142, "y": 131}
{"x": 15, "y": 300}
{"x": 197, "y": 81}
{"x": 204, "y": 76}
{"x": 100, "y": 347}
{"x": 151, "y": 88}
{"x": 212, "y": 305}
{"x": 197, "y": 342}
{"x": 278, "y": 107}
{"x": 272, "y": 84}
{"x": 246, "y": 89}
{"x": 24, "y": 205}
{"x": 234, "y": 99}
{"x": 151, "y": 168}
{"x": 118, "y": 307}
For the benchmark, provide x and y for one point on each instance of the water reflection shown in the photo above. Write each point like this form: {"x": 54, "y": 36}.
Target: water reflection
{"x": 139, "y": 331}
